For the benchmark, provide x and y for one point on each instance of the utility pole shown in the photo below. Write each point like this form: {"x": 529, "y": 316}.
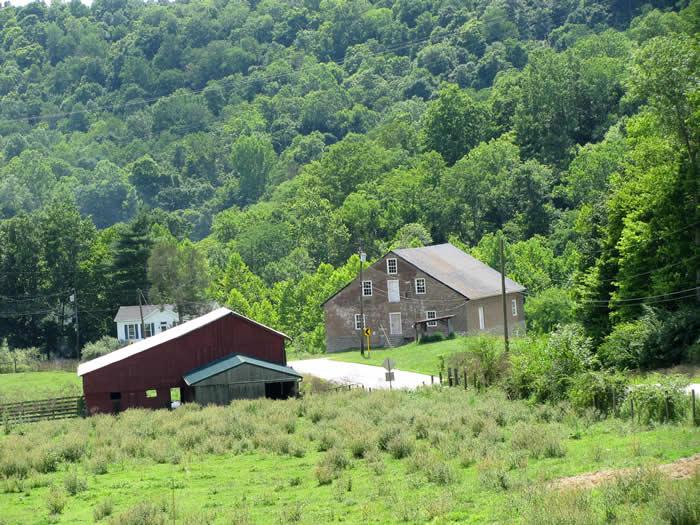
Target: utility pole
{"x": 363, "y": 256}
{"x": 143, "y": 326}
{"x": 503, "y": 295}
{"x": 74, "y": 299}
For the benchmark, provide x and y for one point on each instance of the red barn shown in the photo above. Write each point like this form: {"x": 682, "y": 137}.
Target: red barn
{"x": 142, "y": 374}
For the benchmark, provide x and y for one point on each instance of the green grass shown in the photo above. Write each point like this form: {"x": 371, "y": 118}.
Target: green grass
{"x": 424, "y": 358}
{"x": 258, "y": 461}
{"x": 25, "y": 386}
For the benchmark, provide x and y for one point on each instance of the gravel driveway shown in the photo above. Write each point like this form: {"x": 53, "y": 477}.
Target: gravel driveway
{"x": 367, "y": 375}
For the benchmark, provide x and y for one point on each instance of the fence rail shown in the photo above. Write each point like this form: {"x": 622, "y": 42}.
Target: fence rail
{"x": 31, "y": 411}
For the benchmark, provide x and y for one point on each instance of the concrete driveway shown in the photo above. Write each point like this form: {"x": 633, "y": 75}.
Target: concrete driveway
{"x": 353, "y": 373}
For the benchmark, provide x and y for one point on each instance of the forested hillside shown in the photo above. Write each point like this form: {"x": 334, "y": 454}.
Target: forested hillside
{"x": 242, "y": 151}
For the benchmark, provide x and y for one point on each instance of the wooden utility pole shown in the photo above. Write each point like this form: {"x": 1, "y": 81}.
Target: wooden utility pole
{"x": 77, "y": 325}
{"x": 503, "y": 295}
{"x": 143, "y": 326}
{"x": 362, "y": 301}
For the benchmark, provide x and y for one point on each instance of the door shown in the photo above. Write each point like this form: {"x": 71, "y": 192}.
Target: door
{"x": 395, "y": 324}
{"x": 392, "y": 287}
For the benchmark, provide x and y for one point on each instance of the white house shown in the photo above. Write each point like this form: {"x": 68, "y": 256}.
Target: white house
{"x": 156, "y": 318}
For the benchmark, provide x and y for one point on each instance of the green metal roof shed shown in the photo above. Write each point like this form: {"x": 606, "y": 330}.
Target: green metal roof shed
{"x": 241, "y": 377}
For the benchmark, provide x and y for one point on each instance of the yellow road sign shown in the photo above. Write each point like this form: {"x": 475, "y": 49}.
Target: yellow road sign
{"x": 367, "y": 332}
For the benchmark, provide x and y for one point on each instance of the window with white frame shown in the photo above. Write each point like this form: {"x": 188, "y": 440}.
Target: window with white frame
{"x": 392, "y": 267}
{"x": 359, "y": 325}
{"x": 163, "y": 326}
{"x": 431, "y": 314}
{"x": 420, "y": 286}
{"x": 367, "y": 288}
{"x": 149, "y": 329}
{"x": 132, "y": 331}
{"x": 481, "y": 318}
{"x": 514, "y": 307}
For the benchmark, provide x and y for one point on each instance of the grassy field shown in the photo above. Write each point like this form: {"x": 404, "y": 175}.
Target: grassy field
{"x": 424, "y": 358}
{"x": 436, "y": 455}
{"x": 25, "y": 386}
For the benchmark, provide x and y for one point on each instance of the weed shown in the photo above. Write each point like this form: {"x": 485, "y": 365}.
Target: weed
{"x": 103, "y": 509}
{"x": 74, "y": 483}
{"x": 141, "y": 514}
{"x": 493, "y": 474}
{"x": 679, "y": 502}
{"x": 400, "y": 446}
{"x": 55, "y": 500}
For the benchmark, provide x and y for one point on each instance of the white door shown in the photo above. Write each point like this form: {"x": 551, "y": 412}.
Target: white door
{"x": 392, "y": 288}
{"x": 395, "y": 324}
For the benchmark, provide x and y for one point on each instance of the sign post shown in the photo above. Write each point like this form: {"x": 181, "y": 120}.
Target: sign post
{"x": 389, "y": 364}
{"x": 367, "y": 332}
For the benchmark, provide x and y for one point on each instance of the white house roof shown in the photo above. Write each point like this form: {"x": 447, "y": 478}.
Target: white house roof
{"x": 458, "y": 270}
{"x": 163, "y": 337}
{"x": 132, "y": 313}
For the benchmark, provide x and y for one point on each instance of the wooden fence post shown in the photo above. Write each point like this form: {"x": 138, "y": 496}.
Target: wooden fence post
{"x": 449, "y": 376}
{"x": 632, "y": 409}
{"x": 692, "y": 404}
{"x": 465, "y": 379}
{"x": 614, "y": 405}
{"x": 668, "y": 415}
{"x": 432, "y": 379}
{"x": 440, "y": 377}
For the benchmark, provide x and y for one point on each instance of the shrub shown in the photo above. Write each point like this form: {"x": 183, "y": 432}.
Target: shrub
{"x": 664, "y": 401}
{"x": 598, "y": 390}
{"x": 679, "y": 502}
{"x": 55, "y": 500}
{"x": 44, "y": 459}
{"x": 18, "y": 359}
{"x": 100, "y": 347}
{"x": 73, "y": 483}
{"x": 548, "y": 309}
{"x": 360, "y": 444}
{"x": 493, "y": 474}
{"x": 431, "y": 338}
{"x": 538, "y": 440}
{"x": 103, "y": 509}
{"x": 400, "y": 446}
{"x": 330, "y": 466}
{"x": 566, "y": 507}
{"x": 141, "y": 514}
{"x": 386, "y": 435}
{"x": 484, "y": 357}
{"x": 440, "y": 472}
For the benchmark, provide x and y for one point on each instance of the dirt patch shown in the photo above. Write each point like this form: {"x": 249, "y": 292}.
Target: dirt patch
{"x": 681, "y": 469}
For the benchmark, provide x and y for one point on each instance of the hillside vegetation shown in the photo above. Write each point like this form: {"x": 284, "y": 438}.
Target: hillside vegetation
{"x": 387, "y": 457}
{"x": 241, "y": 152}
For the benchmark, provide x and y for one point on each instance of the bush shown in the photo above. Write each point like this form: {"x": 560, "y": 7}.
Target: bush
{"x": 18, "y": 359}
{"x": 538, "y": 440}
{"x": 400, "y": 446}
{"x": 73, "y": 483}
{"x": 484, "y": 357}
{"x": 598, "y": 390}
{"x": 100, "y": 347}
{"x": 330, "y": 466}
{"x": 679, "y": 502}
{"x": 666, "y": 400}
{"x": 431, "y": 338}
{"x": 548, "y": 309}
{"x": 141, "y": 514}
{"x": 55, "y": 500}
{"x": 103, "y": 509}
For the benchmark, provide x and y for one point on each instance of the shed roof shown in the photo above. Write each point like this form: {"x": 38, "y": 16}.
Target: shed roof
{"x": 164, "y": 337}
{"x": 426, "y": 320}
{"x": 232, "y": 361}
{"x": 133, "y": 313}
{"x": 458, "y": 270}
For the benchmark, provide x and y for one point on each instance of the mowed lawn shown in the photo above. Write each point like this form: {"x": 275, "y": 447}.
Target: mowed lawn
{"x": 423, "y": 358}
{"x": 27, "y": 386}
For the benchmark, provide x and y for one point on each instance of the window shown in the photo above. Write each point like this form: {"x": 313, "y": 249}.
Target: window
{"x": 514, "y": 307}
{"x": 163, "y": 326}
{"x": 481, "y": 318}
{"x": 420, "y": 286}
{"x": 367, "y": 288}
{"x": 359, "y": 325}
{"x": 431, "y": 314}
{"x": 395, "y": 324}
{"x": 131, "y": 331}
{"x": 149, "y": 329}
{"x": 392, "y": 267}
{"x": 151, "y": 393}
{"x": 392, "y": 287}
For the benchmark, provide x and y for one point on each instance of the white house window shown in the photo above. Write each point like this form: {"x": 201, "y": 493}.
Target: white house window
{"x": 481, "y": 318}
{"x": 431, "y": 314}
{"x": 420, "y": 286}
{"x": 132, "y": 331}
{"x": 367, "y": 288}
{"x": 163, "y": 326}
{"x": 149, "y": 329}
{"x": 359, "y": 323}
{"x": 392, "y": 288}
{"x": 392, "y": 267}
{"x": 514, "y": 307}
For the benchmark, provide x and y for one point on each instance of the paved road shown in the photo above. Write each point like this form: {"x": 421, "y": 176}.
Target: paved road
{"x": 367, "y": 375}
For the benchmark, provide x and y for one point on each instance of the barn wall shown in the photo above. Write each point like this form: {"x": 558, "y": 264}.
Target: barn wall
{"x": 162, "y": 367}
